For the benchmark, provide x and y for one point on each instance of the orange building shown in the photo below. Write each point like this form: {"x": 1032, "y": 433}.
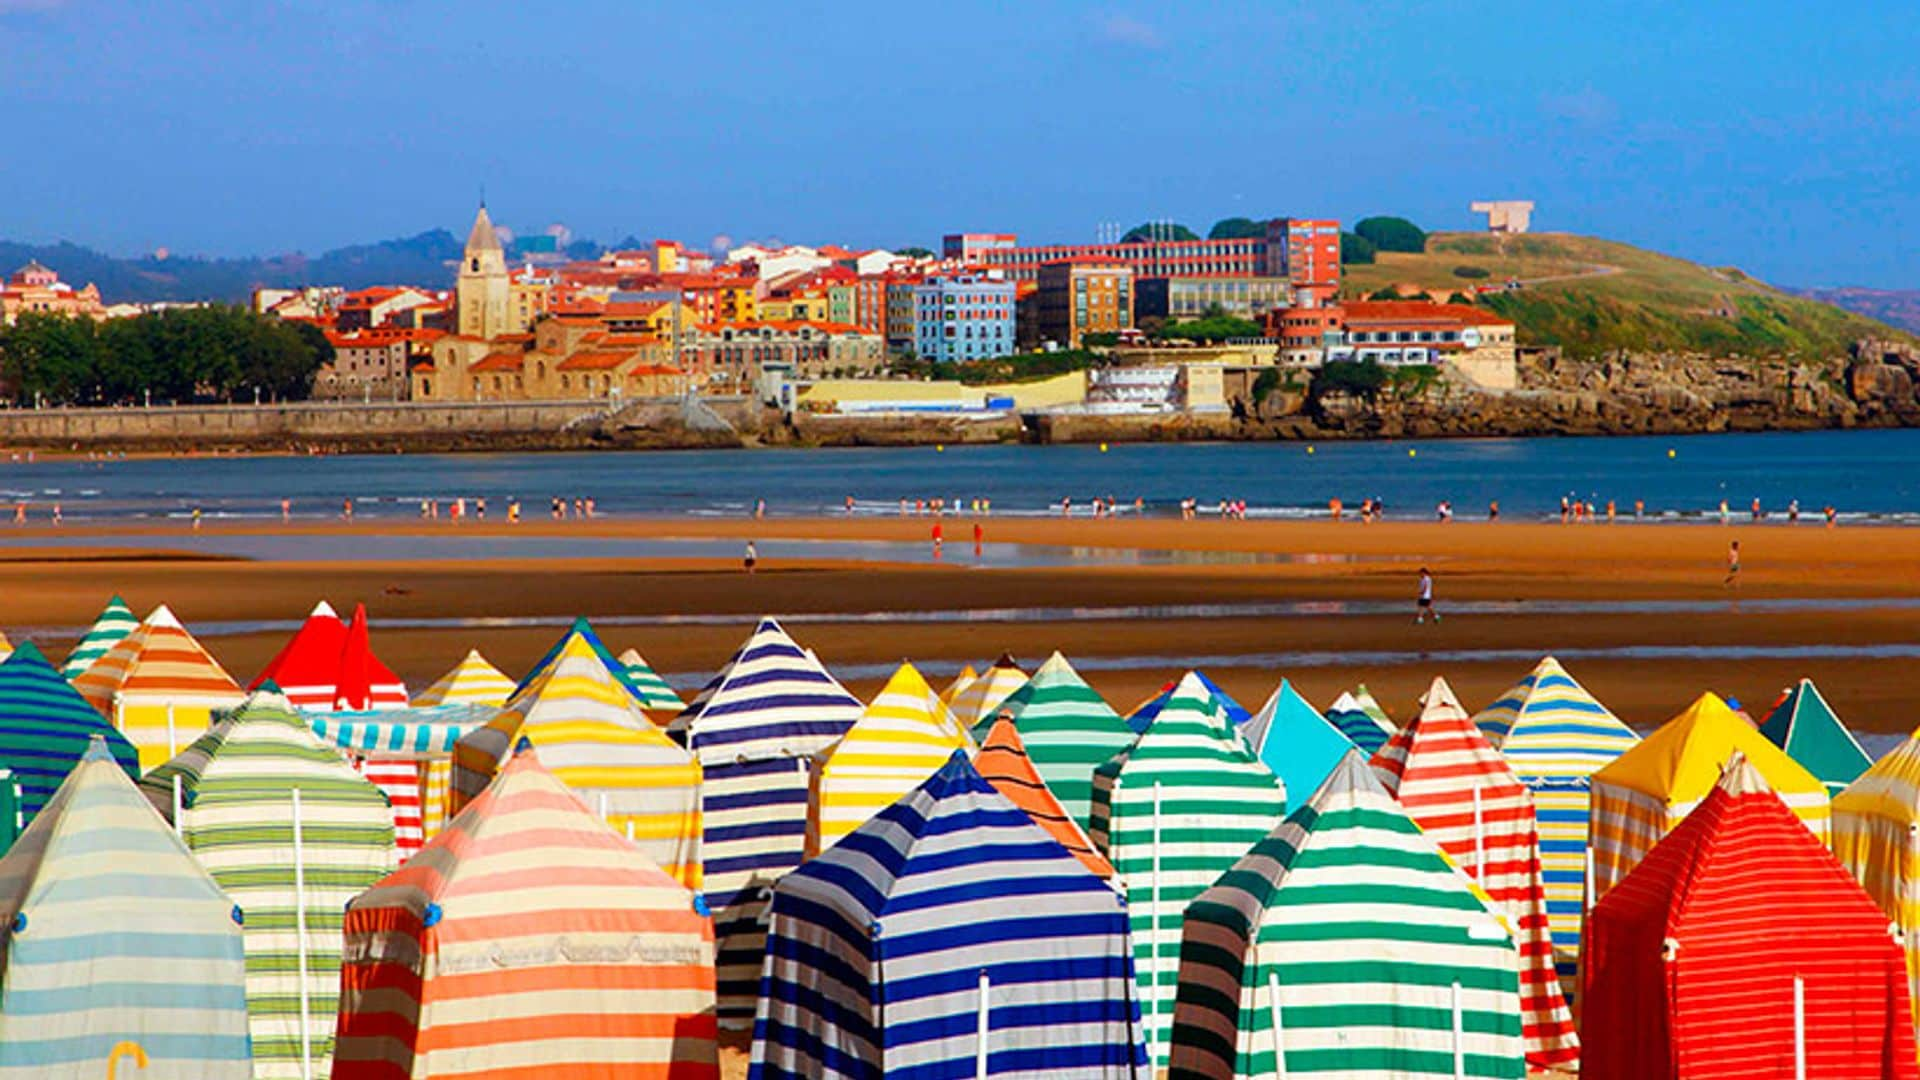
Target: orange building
{"x": 34, "y": 289}
{"x": 1091, "y": 294}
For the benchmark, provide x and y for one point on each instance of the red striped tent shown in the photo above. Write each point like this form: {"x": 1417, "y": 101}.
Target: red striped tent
{"x": 1458, "y": 788}
{"x": 529, "y": 939}
{"x": 1739, "y": 947}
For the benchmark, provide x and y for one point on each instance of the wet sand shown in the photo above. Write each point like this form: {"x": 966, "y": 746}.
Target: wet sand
{"x": 1328, "y": 565}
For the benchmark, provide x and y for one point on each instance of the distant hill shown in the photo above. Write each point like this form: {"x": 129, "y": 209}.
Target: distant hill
{"x": 426, "y": 260}
{"x": 1895, "y": 307}
{"x": 1592, "y": 297}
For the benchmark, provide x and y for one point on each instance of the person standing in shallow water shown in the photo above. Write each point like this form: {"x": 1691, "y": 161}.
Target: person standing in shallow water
{"x": 1424, "y": 603}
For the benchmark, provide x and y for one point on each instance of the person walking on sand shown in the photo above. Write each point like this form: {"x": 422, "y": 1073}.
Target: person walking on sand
{"x": 1424, "y": 603}
{"x": 286, "y": 510}
{"x": 1733, "y": 566}
{"x": 1493, "y": 510}
{"x": 1724, "y": 519}
{"x": 939, "y": 538}
{"x": 1831, "y": 515}
{"x": 752, "y": 557}
{"x": 979, "y": 539}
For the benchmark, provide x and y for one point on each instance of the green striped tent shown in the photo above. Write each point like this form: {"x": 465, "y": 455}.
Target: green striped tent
{"x": 237, "y": 785}
{"x": 116, "y": 939}
{"x": 656, "y": 697}
{"x": 1172, "y": 813}
{"x": 115, "y": 622}
{"x": 1346, "y": 943}
{"x": 1068, "y": 730}
{"x": 45, "y": 726}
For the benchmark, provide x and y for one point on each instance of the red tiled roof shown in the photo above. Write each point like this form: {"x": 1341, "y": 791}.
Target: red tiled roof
{"x": 654, "y": 369}
{"x": 595, "y": 360}
{"x": 633, "y": 308}
{"x": 1420, "y": 311}
{"x": 500, "y": 361}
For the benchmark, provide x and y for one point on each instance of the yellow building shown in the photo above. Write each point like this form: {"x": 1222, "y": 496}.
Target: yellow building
{"x": 483, "y": 289}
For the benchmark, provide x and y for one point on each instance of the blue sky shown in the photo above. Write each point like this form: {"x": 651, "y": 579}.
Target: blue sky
{"x": 1780, "y": 138}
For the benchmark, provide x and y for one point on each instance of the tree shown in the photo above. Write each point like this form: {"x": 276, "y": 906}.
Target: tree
{"x": 1362, "y": 379}
{"x": 1393, "y": 234}
{"x": 1237, "y": 228}
{"x": 1158, "y": 230}
{"x": 1215, "y": 325}
{"x": 1355, "y": 249}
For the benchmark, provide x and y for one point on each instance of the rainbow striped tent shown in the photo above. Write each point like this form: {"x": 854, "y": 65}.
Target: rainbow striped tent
{"x": 591, "y": 733}
{"x": 1295, "y": 741}
{"x": 658, "y": 698}
{"x": 900, "y": 740}
{"x": 258, "y": 783}
{"x": 528, "y": 937}
{"x": 472, "y": 681}
{"x": 1806, "y": 727}
{"x": 1876, "y": 836}
{"x": 1172, "y": 812}
{"x": 1462, "y": 793}
{"x": 947, "y": 936}
{"x": 1003, "y": 762}
{"x": 1651, "y": 788}
{"x": 45, "y": 728}
{"x": 755, "y": 728}
{"x": 979, "y": 701}
{"x": 117, "y": 944}
{"x": 1555, "y": 736}
{"x": 159, "y": 687}
{"x": 1341, "y": 946}
{"x": 1069, "y": 731}
{"x": 115, "y": 621}
{"x": 1369, "y": 730}
{"x": 1142, "y": 716}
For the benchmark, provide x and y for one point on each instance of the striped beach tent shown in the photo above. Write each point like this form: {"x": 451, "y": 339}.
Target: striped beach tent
{"x": 1341, "y": 945}
{"x": 1143, "y": 714}
{"x": 1295, "y": 741}
{"x": 529, "y": 938}
{"x": 1739, "y": 948}
{"x": 115, "y": 621}
{"x": 1366, "y": 730}
{"x": 1808, "y": 729}
{"x": 1370, "y": 705}
{"x": 582, "y": 630}
{"x": 755, "y": 728}
{"x": 292, "y": 833}
{"x": 591, "y": 733}
{"x": 1069, "y": 731}
{"x": 12, "y": 820}
{"x": 1172, "y": 812}
{"x": 328, "y": 665}
{"x": 45, "y": 727}
{"x": 1648, "y": 790}
{"x": 118, "y": 949}
{"x": 6, "y": 647}
{"x": 1462, "y": 793}
{"x": 947, "y": 936}
{"x": 380, "y": 741}
{"x": 977, "y": 704}
{"x": 1876, "y": 836}
{"x": 1004, "y": 763}
{"x": 1555, "y": 736}
{"x": 900, "y": 740}
{"x": 658, "y": 698}
{"x": 959, "y": 683}
{"x": 472, "y": 681}
{"x": 159, "y": 687}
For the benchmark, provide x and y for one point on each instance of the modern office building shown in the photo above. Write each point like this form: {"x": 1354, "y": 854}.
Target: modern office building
{"x": 1192, "y": 297}
{"x": 1086, "y": 295}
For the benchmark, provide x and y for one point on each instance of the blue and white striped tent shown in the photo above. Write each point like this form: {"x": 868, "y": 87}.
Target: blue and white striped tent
{"x": 45, "y": 727}
{"x": 946, "y": 928}
{"x": 755, "y": 729}
{"x": 119, "y": 949}
{"x": 422, "y": 733}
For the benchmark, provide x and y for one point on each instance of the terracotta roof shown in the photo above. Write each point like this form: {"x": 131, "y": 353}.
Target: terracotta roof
{"x": 633, "y": 308}
{"x": 654, "y": 369}
{"x": 1420, "y": 311}
{"x": 500, "y": 361}
{"x": 595, "y": 360}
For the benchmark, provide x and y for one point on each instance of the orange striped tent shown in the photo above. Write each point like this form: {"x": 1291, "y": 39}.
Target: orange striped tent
{"x": 1003, "y": 762}
{"x": 1463, "y": 795}
{"x": 529, "y": 939}
{"x": 159, "y": 687}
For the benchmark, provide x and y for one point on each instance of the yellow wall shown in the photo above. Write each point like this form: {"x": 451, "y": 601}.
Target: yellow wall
{"x": 1067, "y": 389}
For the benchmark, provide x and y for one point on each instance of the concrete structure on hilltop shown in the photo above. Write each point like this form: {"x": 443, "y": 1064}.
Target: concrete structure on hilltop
{"x": 1193, "y": 297}
{"x": 1401, "y": 333}
{"x": 34, "y": 289}
{"x": 1087, "y": 295}
{"x": 964, "y": 316}
{"x": 482, "y": 291}
{"x": 1506, "y": 215}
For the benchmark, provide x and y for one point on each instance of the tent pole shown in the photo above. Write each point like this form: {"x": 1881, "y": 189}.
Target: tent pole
{"x": 981, "y": 1034}
{"x": 173, "y": 742}
{"x": 1479, "y": 838}
{"x": 1153, "y": 931}
{"x": 176, "y": 805}
{"x": 300, "y": 930}
{"x": 1459, "y": 1041}
{"x": 1799, "y": 1028}
{"x": 1279, "y": 1039}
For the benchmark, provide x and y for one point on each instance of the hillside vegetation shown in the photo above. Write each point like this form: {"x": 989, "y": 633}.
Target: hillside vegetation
{"x": 1591, "y": 297}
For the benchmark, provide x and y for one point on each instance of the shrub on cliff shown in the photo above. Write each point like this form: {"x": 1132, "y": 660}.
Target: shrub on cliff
{"x": 1393, "y": 234}
{"x": 1358, "y": 378}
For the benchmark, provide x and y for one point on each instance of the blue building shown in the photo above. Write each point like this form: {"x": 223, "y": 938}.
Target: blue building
{"x": 964, "y": 316}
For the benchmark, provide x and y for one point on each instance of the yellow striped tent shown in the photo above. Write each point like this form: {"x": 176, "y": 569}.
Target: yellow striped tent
{"x": 1651, "y": 788}
{"x": 1876, "y": 835}
{"x": 905, "y": 736}
{"x": 472, "y": 681}
{"x": 592, "y": 735}
{"x": 159, "y": 687}
{"x": 976, "y": 705}
{"x": 959, "y": 683}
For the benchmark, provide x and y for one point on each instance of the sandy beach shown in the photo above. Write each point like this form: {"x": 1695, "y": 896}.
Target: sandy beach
{"x": 1333, "y": 602}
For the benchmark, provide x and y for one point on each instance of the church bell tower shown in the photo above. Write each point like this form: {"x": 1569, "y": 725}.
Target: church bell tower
{"x": 480, "y": 293}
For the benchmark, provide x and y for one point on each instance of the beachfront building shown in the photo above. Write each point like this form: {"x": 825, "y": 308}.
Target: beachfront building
{"x": 730, "y": 356}
{"x": 34, "y": 289}
{"x": 964, "y": 316}
{"x": 563, "y": 359}
{"x": 1175, "y": 298}
{"x": 1092, "y": 294}
{"x": 373, "y": 365}
{"x": 1400, "y": 333}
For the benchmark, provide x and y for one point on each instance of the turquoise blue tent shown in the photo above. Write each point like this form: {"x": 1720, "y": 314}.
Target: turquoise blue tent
{"x": 1296, "y": 742}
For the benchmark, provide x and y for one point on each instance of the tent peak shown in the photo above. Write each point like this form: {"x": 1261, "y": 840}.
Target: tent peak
{"x": 323, "y": 610}
{"x": 164, "y": 616}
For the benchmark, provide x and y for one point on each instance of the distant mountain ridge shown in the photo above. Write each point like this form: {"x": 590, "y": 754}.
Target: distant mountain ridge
{"x": 425, "y": 259}
{"x": 1895, "y": 307}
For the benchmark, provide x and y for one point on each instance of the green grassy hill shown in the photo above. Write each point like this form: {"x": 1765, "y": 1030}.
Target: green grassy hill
{"x": 1592, "y": 297}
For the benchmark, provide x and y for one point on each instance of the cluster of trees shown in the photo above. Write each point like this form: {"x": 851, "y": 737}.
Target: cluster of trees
{"x": 1233, "y": 228}
{"x": 1376, "y": 234}
{"x": 179, "y": 354}
{"x": 1215, "y": 325}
